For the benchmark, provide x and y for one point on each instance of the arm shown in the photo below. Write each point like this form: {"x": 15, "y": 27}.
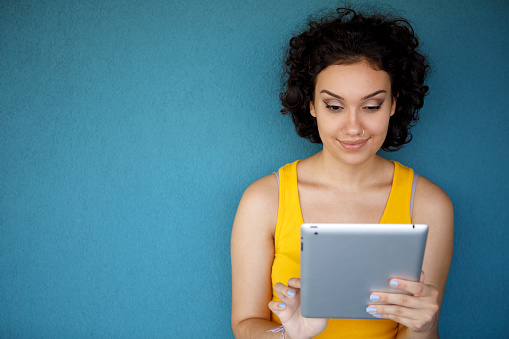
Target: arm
{"x": 252, "y": 254}
{"x": 418, "y": 314}
{"x": 434, "y": 208}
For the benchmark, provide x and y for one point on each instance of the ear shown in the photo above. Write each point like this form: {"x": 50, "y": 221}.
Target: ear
{"x": 394, "y": 100}
{"x": 312, "y": 109}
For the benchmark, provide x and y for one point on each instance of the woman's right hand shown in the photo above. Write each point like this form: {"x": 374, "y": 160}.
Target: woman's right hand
{"x": 288, "y": 311}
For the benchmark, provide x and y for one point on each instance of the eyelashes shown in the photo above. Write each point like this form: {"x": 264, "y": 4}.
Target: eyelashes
{"x": 334, "y": 108}
{"x": 374, "y": 108}
{"x": 338, "y": 108}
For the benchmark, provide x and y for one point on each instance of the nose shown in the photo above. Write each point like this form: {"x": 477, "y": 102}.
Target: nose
{"x": 353, "y": 126}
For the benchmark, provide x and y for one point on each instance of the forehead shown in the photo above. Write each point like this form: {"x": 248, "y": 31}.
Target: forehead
{"x": 356, "y": 79}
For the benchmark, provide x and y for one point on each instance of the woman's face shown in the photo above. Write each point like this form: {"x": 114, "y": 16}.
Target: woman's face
{"x": 352, "y": 106}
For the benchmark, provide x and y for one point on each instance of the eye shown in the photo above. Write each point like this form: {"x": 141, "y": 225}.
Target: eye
{"x": 333, "y": 107}
{"x": 373, "y": 108}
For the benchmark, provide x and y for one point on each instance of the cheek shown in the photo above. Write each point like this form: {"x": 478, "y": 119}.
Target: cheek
{"x": 326, "y": 130}
{"x": 328, "y": 123}
{"x": 379, "y": 126}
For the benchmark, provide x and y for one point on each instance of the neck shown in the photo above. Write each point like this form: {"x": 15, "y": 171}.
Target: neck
{"x": 332, "y": 172}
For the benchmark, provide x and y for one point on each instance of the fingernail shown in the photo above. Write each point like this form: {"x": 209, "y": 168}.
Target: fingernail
{"x": 374, "y": 297}
{"x": 290, "y": 293}
{"x": 394, "y": 283}
{"x": 377, "y": 315}
{"x": 282, "y": 305}
{"x": 370, "y": 309}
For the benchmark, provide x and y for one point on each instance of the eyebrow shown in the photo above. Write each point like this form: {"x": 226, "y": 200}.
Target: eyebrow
{"x": 364, "y": 98}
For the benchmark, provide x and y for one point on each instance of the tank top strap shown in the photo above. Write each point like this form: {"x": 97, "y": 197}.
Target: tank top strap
{"x": 289, "y": 213}
{"x": 401, "y": 195}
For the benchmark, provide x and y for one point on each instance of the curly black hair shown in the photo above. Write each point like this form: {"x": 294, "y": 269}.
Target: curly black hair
{"x": 347, "y": 37}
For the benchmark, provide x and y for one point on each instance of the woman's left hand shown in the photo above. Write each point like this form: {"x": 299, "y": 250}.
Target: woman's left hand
{"x": 417, "y": 311}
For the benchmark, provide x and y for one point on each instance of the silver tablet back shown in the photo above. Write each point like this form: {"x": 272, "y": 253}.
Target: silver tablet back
{"x": 341, "y": 264}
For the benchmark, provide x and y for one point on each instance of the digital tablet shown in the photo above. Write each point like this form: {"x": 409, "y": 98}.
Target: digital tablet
{"x": 341, "y": 264}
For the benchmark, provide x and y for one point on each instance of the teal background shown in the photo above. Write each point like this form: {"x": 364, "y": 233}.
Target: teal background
{"x": 129, "y": 130}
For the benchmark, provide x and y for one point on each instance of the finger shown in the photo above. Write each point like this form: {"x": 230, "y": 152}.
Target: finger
{"x": 410, "y": 323}
{"x": 414, "y": 319}
{"x": 392, "y": 311}
{"x": 277, "y": 306}
{"x": 396, "y": 299}
{"x": 416, "y": 288}
{"x": 282, "y": 310}
{"x": 422, "y": 277}
{"x": 284, "y": 292}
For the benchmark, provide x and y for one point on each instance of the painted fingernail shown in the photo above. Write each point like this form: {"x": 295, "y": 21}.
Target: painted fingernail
{"x": 377, "y": 315}
{"x": 370, "y": 309}
{"x": 394, "y": 283}
{"x": 290, "y": 293}
{"x": 374, "y": 297}
{"x": 282, "y": 305}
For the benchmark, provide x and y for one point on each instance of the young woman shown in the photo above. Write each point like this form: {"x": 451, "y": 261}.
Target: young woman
{"x": 354, "y": 83}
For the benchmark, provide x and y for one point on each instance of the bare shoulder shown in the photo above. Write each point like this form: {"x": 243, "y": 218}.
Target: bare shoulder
{"x": 432, "y": 203}
{"x": 259, "y": 204}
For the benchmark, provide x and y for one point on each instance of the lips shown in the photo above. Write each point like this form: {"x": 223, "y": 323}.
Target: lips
{"x": 353, "y": 145}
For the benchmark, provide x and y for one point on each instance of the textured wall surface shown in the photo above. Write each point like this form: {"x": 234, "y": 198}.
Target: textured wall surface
{"x": 129, "y": 130}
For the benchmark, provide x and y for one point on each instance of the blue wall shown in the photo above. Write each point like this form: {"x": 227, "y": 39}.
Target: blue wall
{"x": 129, "y": 130}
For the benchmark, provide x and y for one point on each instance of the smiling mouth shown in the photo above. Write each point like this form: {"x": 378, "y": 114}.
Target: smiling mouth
{"x": 353, "y": 145}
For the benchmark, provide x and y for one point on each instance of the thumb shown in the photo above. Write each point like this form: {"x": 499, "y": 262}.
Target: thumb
{"x": 294, "y": 283}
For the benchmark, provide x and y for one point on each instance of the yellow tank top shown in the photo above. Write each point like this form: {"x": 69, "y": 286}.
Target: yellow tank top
{"x": 287, "y": 246}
